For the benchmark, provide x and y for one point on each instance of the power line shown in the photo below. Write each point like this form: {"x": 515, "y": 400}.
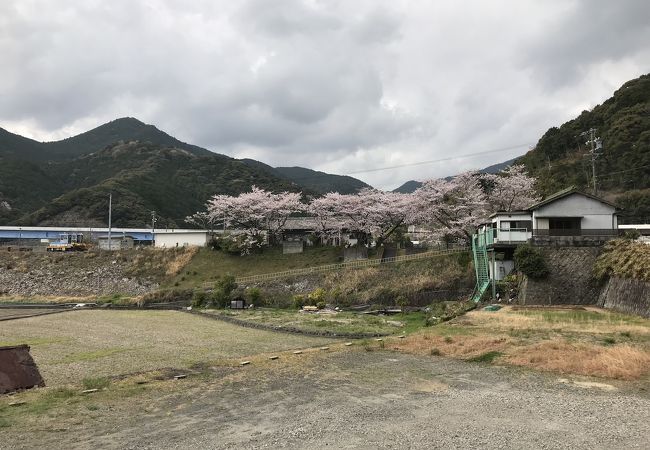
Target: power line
{"x": 421, "y": 163}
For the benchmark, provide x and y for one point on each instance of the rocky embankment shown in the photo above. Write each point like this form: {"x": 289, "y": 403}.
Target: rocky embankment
{"x": 79, "y": 274}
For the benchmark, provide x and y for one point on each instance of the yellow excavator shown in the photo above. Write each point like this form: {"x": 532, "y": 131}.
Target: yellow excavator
{"x": 68, "y": 242}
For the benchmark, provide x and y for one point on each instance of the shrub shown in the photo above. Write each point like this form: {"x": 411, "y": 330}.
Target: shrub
{"x": 402, "y": 302}
{"x": 299, "y": 301}
{"x": 254, "y": 296}
{"x": 200, "y": 298}
{"x": 317, "y": 296}
{"x": 227, "y": 283}
{"x": 321, "y": 305}
{"x": 530, "y": 261}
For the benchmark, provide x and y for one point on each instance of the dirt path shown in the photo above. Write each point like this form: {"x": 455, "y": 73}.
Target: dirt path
{"x": 380, "y": 399}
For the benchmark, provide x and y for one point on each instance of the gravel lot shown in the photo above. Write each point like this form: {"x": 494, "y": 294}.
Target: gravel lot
{"x": 71, "y": 346}
{"x": 358, "y": 399}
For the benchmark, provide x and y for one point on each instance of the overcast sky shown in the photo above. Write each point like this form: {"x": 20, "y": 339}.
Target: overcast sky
{"x": 341, "y": 86}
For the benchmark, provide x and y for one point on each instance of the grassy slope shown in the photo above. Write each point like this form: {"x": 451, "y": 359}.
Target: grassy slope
{"x": 209, "y": 265}
{"x": 625, "y": 259}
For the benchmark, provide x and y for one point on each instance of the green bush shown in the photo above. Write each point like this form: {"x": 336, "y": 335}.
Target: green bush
{"x": 299, "y": 301}
{"x": 200, "y": 298}
{"x": 254, "y": 296}
{"x": 222, "y": 293}
{"x": 317, "y": 296}
{"x": 321, "y": 305}
{"x": 530, "y": 261}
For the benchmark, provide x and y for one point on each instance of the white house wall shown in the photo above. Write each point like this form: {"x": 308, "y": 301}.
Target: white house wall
{"x": 595, "y": 215}
{"x": 180, "y": 239}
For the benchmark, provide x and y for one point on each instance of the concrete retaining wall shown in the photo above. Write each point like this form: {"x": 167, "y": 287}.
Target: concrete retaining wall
{"x": 626, "y": 296}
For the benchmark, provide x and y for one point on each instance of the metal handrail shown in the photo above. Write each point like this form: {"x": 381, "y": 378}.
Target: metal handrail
{"x": 345, "y": 265}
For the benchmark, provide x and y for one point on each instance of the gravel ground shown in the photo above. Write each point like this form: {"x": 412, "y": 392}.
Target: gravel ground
{"x": 379, "y": 399}
{"x": 71, "y": 346}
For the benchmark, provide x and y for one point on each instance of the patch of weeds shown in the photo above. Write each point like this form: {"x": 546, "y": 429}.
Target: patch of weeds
{"x": 96, "y": 383}
{"x": 4, "y": 423}
{"x": 448, "y": 339}
{"x": 609, "y": 341}
{"x": 435, "y": 352}
{"x": 51, "y": 399}
{"x": 626, "y": 334}
{"x": 366, "y": 345}
{"x": 93, "y": 355}
{"x": 524, "y": 333}
{"x": 92, "y": 407}
{"x": 485, "y": 357}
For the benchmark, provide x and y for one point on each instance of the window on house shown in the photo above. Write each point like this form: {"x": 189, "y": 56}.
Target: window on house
{"x": 565, "y": 226}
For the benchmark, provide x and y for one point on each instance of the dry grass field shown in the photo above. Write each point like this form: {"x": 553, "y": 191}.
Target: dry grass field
{"x": 73, "y": 346}
{"x": 589, "y": 342}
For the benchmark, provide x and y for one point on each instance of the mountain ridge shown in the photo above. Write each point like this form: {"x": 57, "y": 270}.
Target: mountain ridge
{"x": 67, "y": 182}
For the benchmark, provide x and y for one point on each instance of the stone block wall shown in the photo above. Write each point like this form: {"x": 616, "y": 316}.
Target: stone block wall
{"x": 626, "y": 296}
{"x": 570, "y": 281}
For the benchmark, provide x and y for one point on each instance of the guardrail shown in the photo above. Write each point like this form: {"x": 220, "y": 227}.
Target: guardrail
{"x": 345, "y": 265}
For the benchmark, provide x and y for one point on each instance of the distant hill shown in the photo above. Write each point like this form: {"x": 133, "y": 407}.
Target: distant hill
{"x": 623, "y": 167}
{"x": 409, "y": 187}
{"x": 144, "y": 177}
{"x": 412, "y": 185}
{"x": 322, "y": 182}
{"x": 313, "y": 180}
{"x": 67, "y": 182}
{"x": 125, "y": 129}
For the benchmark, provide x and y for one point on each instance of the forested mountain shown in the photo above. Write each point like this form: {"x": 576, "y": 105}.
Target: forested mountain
{"x": 67, "y": 182}
{"x": 124, "y": 129}
{"x": 561, "y": 157}
{"x": 313, "y": 181}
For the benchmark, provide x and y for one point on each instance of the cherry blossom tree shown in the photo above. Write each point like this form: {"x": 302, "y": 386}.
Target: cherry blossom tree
{"x": 511, "y": 189}
{"x": 368, "y": 213}
{"x": 452, "y": 207}
{"x": 204, "y": 220}
{"x": 255, "y": 213}
{"x": 326, "y": 212}
{"x": 386, "y": 212}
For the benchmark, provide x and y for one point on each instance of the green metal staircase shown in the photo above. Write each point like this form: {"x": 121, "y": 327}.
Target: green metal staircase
{"x": 480, "y": 242}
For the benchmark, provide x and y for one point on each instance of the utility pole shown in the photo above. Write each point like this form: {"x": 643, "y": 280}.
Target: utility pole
{"x": 595, "y": 144}
{"x": 110, "y": 213}
{"x": 153, "y": 228}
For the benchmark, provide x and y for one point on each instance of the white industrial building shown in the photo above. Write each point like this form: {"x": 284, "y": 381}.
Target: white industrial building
{"x": 120, "y": 237}
{"x": 180, "y": 238}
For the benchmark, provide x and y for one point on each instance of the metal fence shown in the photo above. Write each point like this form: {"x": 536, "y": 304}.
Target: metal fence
{"x": 347, "y": 265}
{"x": 606, "y": 232}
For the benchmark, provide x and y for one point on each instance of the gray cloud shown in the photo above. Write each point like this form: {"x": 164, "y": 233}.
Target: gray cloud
{"x": 339, "y": 86}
